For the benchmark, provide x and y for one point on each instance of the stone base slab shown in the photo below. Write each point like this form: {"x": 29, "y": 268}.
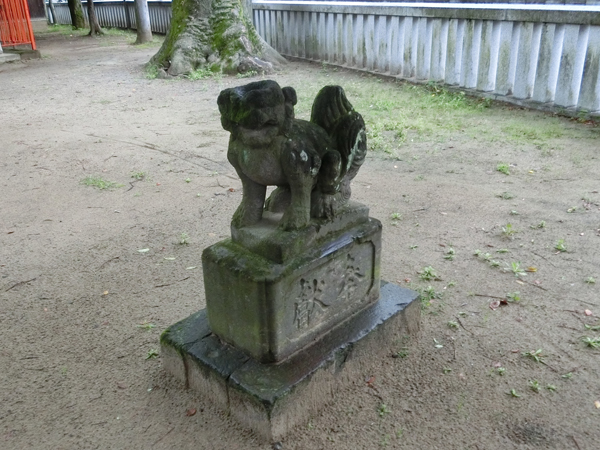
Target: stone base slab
{"x": 8, "y": 57}
{"x": 271, "y": 399}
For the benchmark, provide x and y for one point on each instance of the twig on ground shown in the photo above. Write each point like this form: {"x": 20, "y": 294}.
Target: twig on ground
{"x": 544, "y": 258}
{"x": 576, "y": 443}
{"x": 491, "y": 296}
{"x": 163, "y": 436}
{"x": 463, "y": 327}
{"x": 169, "y": 284}
{"x": 106, "y": 262}
{"x": 588, "y": 303}
{"x": 20, "y": 283}
{"x": 537, "y": 286}
{"x": 131, "y": 184}
{"x": 569, "y": 328}
{"x": 156, "y": 148}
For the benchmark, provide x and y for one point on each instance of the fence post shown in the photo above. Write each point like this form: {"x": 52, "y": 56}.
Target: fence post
{"x": 127, "y": 17}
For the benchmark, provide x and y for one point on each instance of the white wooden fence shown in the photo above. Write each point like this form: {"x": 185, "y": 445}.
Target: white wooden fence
{"x": 544, "y": 56}
{"x": 539, "y": 55}
{"x": 120, "y": 14}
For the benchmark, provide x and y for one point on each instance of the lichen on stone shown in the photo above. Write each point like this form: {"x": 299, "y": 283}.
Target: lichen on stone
{"x": 215, "y": 35}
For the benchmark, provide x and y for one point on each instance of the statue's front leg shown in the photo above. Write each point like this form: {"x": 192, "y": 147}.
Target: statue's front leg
{"x": 300, "y": 167}
{"x": 250, "y": 210}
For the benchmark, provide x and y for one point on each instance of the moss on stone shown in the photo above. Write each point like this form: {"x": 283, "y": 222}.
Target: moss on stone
{"x": 215, "y": 35}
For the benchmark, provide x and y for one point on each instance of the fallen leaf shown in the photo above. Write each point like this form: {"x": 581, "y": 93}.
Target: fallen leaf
{"x": 144, "y": 250}
{"x": 105, "y": 293}
{"x": 588, "y": 312}
{"x": 190, "y": 412}
{"x": 531, "y": 269}
{"x": 10, "y": 232}
{"x": 515, "y": 350}
{"x": 231, "y": 190}
{"x": 121, "y": 385}
{"x": 504, "y": 302}
{"x": 520, "y": 282}
{"x": 407, "y": 280}
{"x": 495, "y": 305}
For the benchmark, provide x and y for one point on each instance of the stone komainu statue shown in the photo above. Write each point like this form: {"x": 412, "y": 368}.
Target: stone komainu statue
{"x": 311, "y": 163}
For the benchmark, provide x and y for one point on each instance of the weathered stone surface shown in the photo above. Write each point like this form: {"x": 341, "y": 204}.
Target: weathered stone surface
{"x": 311, "y": 163}
{"x": 271, "y": 399}
{"x": 270, "y": 242}
{"x": 271, "y": 310}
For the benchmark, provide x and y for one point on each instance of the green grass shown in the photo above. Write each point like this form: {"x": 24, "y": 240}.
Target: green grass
{"x": 398, "y": 114}
{"x": 155, "y": 42}
{"x": 503, "y": 168}
{"x": 99, "y": 182}
{"x": 428, "y": 273}
{"x": 203, "y": 74}
{"x": 139, "y": 175}
{"x": 151, "y": 71}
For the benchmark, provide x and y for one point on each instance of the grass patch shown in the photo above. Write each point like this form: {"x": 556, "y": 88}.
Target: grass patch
{"x": 398, "y": 114}
{"x": 203, "y": 73}
{"x": 99, "y": 182}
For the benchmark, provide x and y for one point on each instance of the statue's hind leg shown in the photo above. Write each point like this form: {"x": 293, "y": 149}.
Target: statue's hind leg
{"x": 279, "y": 200}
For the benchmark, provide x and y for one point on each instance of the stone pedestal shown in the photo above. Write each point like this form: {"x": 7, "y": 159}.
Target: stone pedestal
{"x": 271, "y": 399}
{"x": 272, "y": 307}
{"x": 290, "y": 318}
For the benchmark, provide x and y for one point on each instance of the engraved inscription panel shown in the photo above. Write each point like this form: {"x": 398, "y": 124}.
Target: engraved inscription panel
{"x": 332, "y": 291}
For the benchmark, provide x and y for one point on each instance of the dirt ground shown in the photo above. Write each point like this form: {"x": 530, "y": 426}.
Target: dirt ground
{"x": 85, "y": 273}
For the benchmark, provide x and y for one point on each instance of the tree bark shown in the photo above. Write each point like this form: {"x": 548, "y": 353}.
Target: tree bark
{"x": 216, "y": 35}
{"x": 142, "y": 18}
{"x": 94, "y": 25}
{"x": 77, "y": 17}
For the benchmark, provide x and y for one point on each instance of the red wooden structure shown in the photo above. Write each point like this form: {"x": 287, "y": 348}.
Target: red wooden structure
{"x": 15, "y": 25}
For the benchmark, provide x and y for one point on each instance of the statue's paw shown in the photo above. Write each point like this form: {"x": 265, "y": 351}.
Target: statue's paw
{"x": 324, "y": 206}
{"x": 292, "y": 222}
{"x": 244, "y": 217}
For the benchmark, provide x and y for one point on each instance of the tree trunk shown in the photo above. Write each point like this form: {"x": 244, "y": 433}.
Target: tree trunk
{"x": 94, "y": 25}
{"x": 48, "y": 14}
{"x": 52, "y": 11}
{"x": 142, "y": 18}
{"x": 76, "y": 10}
{"x": 216, "y": 35}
